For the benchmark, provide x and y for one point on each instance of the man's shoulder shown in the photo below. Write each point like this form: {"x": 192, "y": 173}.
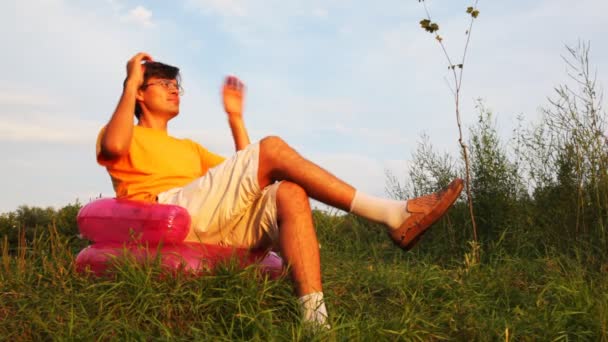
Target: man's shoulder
{"x": 190, "y": 141}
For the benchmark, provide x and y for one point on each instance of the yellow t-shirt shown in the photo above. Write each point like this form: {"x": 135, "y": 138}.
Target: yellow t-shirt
{"x": 156, "y": 162}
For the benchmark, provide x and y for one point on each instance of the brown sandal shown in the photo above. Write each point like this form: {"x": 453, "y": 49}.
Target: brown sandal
{"x": 425, "y": 211}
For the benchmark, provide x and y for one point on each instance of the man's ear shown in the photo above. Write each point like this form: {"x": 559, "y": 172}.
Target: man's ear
{"x": 139, "y": 96}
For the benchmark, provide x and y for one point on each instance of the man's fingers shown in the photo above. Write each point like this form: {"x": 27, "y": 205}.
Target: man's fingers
{"x": 233, "y": 82}
{"x": 139, "y": 58}
{"x": 146, "y": 57}
{"x": 136, "y": 67}
{"x": 142, "y": 57}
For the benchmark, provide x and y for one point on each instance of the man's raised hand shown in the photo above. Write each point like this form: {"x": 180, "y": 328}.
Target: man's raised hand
{"x": 135, "y": 69}
{"x": 232, "y": 94}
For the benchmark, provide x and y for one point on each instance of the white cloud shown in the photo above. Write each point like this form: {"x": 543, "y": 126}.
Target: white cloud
{"x": 10, "y": 97}
{"x": 31, "y": 114}
{"x": 195, "y": 45}
{"x": 516, "y": 60}
{"x": 228, "y": 8}
{"x": 320, "y": 13}
{"x": 273, "y": 97}
{"x": 61, "y": 42}
{"x": 48, "y": 128}
{"x": 363, "y": 172}
{"x": 140, "y": 16}
{"x": 263, "y": 22}
{"x": 116, "y": 5}
{"x": 513, "y": 61}
{"x": 384, "y": 136}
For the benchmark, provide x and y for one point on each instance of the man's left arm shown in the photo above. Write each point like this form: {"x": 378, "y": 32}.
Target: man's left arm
{"x": 232, "y": 94}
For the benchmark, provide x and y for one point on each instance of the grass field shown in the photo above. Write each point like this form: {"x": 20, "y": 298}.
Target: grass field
{"x": 374, "y": 291}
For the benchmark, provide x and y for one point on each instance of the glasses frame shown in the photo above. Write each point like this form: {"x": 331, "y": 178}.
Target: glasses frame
{"x": 167, "y": 84}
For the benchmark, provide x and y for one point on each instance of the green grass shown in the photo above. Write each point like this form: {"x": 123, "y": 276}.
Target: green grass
{"x": 374, "y": 291}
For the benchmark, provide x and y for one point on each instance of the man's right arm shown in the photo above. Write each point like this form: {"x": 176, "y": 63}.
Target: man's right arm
{"x": 232, "y": 94}
{"x": 116, "y": 138}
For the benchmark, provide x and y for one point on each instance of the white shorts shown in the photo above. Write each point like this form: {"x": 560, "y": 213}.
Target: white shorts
{"x": 227, "y": 206}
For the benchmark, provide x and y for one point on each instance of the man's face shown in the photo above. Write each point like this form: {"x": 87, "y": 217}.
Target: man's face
{"x": 160, "y": 96}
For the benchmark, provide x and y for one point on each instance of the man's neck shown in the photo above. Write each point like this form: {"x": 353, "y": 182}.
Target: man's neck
{"x": 153, "y": 122}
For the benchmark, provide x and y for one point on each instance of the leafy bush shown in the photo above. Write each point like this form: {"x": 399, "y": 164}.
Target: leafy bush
{"x": 549, "y": 189}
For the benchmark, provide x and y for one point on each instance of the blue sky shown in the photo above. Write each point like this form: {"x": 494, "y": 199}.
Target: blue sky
{"x": 350, "y": 84}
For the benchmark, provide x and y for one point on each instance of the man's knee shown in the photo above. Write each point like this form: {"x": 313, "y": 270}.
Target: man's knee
{"x": 291, "y": 193}
{"x": 273, "y": 143}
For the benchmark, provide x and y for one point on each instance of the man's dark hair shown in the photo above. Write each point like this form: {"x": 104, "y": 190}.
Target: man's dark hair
{"x": 158, "y": 70}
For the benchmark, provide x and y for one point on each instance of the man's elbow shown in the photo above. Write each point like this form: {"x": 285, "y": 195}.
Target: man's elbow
{"x": 111, "y": 151}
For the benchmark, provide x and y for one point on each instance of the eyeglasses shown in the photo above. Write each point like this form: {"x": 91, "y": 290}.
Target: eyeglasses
{"x": 167, "y": 84}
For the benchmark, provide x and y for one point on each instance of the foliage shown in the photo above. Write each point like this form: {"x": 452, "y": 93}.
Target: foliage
{"x": 429, "y": 172}
{"x": 374, "y": 291}
{"x": 498, "y": 191}
{"x": 34, "y": 221}
{"x": 551, "y": 183}
{"x": 567, "y": 157}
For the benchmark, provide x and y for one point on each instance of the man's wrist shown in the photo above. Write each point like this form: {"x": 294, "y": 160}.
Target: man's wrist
{"x": 130, "y": 84}
{"x": 235, "y": 118}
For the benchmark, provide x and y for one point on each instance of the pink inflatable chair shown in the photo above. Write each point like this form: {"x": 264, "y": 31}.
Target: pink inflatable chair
{"x": 147, "y": 231}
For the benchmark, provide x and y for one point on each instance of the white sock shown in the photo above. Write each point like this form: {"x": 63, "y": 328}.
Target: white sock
{"x": 313, "y": 309}
{"x": 390, "y": 212}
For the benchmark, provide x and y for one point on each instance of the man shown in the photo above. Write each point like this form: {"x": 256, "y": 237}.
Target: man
{"x": 258, "y": 198}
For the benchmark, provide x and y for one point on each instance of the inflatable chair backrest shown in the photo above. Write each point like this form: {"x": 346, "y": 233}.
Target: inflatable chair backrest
{"x": 113, "y": 220}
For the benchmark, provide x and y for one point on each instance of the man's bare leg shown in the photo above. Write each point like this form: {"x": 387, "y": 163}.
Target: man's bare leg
{"x": 300, "y": 248}
{"x": 406, "y": 220}
{"x": 297, "y": 237}
{"x": 278, "y": 161}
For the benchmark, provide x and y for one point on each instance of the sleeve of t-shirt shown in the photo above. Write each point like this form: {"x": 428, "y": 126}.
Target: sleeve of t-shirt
{"x": 208, "y": 159}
